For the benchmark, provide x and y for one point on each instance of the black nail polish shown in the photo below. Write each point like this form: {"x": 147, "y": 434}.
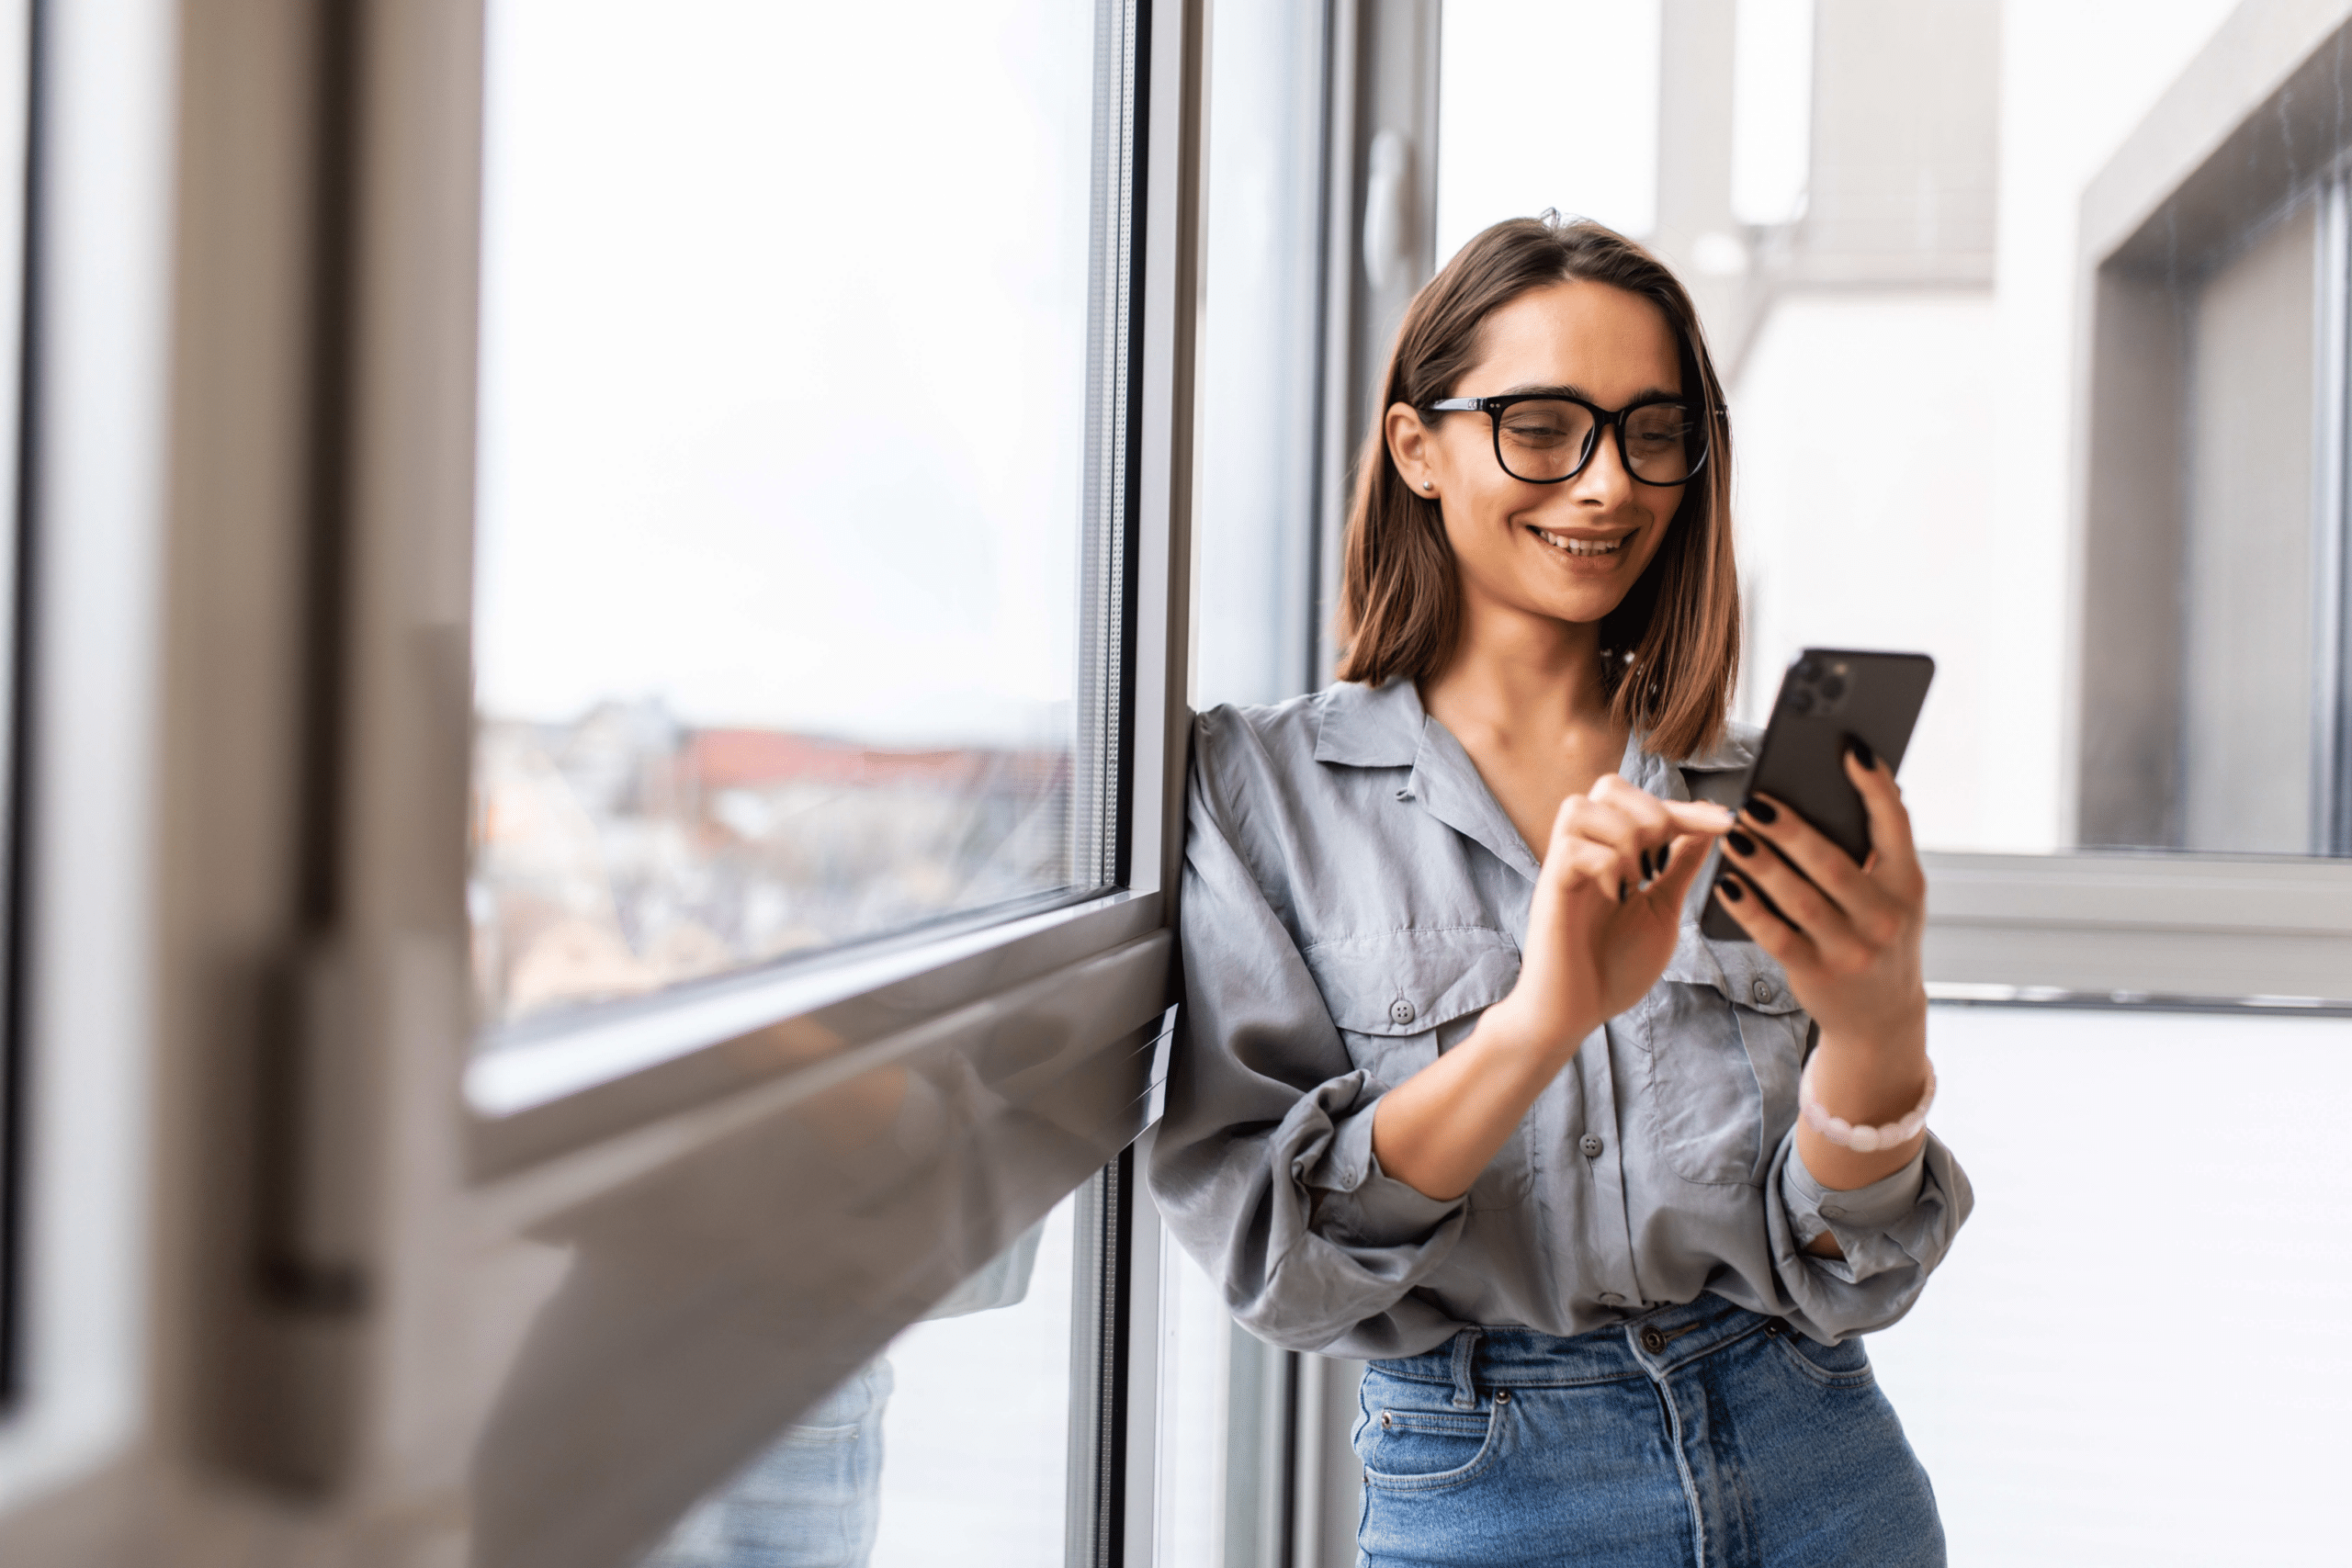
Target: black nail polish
{"x": 1731, "y": 889}
{"x": 1741, "y": 844}
{"x": 1762, "y": 810}
{"x": 1861, "y": 750}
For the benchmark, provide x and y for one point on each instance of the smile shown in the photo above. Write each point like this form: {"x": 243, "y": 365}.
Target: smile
{"x": 1580, "y": 547}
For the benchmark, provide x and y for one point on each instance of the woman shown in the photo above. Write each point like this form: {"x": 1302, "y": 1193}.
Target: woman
{"x": 1463, "y": 1090}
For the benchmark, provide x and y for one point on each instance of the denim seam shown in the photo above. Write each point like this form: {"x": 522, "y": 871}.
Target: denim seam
{"x": 1489, "y": 1379}
{"x": 1674, "y": 1438}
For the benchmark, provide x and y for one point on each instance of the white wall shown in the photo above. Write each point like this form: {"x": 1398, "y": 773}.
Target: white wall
{"x": 2135, "y": 1352}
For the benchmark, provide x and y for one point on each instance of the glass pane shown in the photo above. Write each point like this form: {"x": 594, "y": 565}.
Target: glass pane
{"x": 2105, "y": 482}
{"x": 787, "y": 408}
{"x": 1224, "y": 1419}
{"x": 1260, "y": 356}
{"x": 1510, "y": 144}
{"x": 952, "y": 1446}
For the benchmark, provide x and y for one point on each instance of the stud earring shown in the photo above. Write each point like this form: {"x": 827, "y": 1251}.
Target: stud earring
{"x": 1429, "y": 484}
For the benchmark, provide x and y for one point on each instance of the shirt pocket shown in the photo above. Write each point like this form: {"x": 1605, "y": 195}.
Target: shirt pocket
{"x": 1401, "y": 997}
{"x": 1722, "y": 1042}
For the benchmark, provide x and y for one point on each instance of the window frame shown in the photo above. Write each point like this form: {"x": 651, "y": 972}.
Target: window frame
{"x": 602, "y": 1070}
{"x": 414, "y": 1204}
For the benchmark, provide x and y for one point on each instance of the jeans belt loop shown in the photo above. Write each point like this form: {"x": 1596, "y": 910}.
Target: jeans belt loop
{"x": 1465, "y": 1351}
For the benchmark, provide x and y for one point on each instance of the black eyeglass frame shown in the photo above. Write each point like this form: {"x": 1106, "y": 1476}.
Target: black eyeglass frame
{"x": 1602, "y": 420}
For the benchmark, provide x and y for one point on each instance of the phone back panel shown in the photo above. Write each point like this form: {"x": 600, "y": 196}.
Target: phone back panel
{"x": 1828, "y": 695}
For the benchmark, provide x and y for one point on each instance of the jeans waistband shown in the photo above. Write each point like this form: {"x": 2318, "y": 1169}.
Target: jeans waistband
{"x": 1656, "y": 1342}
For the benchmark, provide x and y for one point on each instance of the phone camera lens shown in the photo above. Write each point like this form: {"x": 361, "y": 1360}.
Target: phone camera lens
{"x": 1832, "y": 687}
{"x": 1806, "y": 669}
{"x": 1801, "y": 700}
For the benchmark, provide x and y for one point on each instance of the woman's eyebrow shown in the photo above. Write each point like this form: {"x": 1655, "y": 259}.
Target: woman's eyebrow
{"x": 1646, "y": 395}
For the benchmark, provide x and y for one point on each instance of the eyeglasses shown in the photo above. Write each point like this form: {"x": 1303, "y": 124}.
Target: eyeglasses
{"x": 1544, "y": 438}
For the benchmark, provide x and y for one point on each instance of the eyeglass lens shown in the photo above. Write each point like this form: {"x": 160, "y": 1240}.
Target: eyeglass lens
{"x": 1545, "y": 440}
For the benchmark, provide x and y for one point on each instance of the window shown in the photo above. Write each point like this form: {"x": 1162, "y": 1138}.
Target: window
{"x": 801, "y": 563}
{"x": 954, "y": 1444}
{"x": 1509, "y": 143}
{"x": 2043, "y": 371}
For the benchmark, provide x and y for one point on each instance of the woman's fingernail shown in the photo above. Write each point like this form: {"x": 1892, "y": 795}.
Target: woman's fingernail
{"x": 1730, "y": 888}
{"x": 1861, "y": 750}
{"x": 1762, "y": 810}
{"x": 1741, "y": 844}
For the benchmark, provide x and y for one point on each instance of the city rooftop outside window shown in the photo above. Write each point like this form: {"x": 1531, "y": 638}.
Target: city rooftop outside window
{"x": 783, "y": 502}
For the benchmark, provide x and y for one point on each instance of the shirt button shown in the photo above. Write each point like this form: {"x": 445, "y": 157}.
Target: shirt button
{"x": 1400, "y": 1010}
{"x": 1761, "y": 990}
{"x": 1610, "y": 1297}
{"x": 1590, "y": 1146}
{"x": 1833, "y": 1210}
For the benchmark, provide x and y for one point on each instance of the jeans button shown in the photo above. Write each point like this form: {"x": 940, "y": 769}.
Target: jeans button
{"x": 1590, "y": 1146}
{"x": 1653, "y": 1341}
{"x": 1400, "y": 1011}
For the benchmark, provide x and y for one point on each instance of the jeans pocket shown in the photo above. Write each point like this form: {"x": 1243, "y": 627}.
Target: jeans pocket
{"x": 1428, "y": 1451}
{"x": 1843, "y": 1365}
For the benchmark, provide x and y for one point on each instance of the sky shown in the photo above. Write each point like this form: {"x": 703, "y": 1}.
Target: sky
{"x": 782, "y": 400}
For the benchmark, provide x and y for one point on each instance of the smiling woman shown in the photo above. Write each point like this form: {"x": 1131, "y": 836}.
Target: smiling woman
{"x": 1488, "y": 317}
{"x": 1466, "y": 1089}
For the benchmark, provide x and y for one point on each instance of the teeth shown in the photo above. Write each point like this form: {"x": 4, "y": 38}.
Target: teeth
{"x": 1580, "y": 547}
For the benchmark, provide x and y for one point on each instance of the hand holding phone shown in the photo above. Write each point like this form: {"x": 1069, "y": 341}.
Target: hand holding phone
{"x": 1828, "y": 699}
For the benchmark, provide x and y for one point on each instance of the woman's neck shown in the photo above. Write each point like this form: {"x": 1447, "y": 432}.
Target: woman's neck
{"x": 1523, "y": 695}
{"x": 1528, "y": 675}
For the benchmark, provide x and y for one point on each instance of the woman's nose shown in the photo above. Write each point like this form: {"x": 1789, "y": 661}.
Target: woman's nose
{"x": 1604, "y": 481}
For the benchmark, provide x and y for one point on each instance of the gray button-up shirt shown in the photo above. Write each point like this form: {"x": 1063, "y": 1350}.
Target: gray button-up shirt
{"x": 1353, "y": 897}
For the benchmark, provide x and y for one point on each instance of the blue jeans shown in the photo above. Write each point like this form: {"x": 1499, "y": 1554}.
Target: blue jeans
{"x": 812, "y": 1500}
{"x": 1697, "y": 1435}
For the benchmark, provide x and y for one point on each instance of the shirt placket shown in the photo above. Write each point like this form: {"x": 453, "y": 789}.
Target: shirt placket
{"x": 1608, "y": 1220}
{"x": 1446, "y": 784}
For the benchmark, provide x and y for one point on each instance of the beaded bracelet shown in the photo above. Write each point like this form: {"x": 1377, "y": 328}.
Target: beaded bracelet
{"x": 1863, "y": 1140}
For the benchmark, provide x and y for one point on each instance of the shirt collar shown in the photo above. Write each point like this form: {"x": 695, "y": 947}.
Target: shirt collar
{"x": 1369, "y": 727}
{"x": 1386, "y": 727}
{"x": 1380, "y": 727}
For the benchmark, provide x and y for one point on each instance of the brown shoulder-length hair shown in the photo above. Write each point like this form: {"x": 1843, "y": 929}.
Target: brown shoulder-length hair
{"x": 1670, "y": 651}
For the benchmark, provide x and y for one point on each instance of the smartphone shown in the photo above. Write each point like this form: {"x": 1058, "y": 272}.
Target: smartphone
{"x": 1829, "y": 695}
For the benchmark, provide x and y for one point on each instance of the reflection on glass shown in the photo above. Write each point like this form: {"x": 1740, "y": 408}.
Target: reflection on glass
{"x": 952, "y": 1446}
{"x": 783, "y": 417}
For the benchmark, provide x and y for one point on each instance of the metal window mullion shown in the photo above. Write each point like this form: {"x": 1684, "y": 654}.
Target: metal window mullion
{"x": 1095, "y": 1511}
{"x": 1106, "y": 565}
{"x": 2331, "y": 807}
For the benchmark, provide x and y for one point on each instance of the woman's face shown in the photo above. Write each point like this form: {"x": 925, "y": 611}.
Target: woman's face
{"x": 1566, "y": 551}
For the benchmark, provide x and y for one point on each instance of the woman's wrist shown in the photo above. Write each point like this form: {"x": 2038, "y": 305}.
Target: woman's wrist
{"x": 1886, "y": 1044}
{"x": 1523, "y": 1031}
{"x": 1869, "y": 1078}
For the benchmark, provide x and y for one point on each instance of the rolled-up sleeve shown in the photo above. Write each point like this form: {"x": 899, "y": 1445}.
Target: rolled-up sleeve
{"x": 1892, "y": 1234}
{"x": 1263, "y": 1166}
